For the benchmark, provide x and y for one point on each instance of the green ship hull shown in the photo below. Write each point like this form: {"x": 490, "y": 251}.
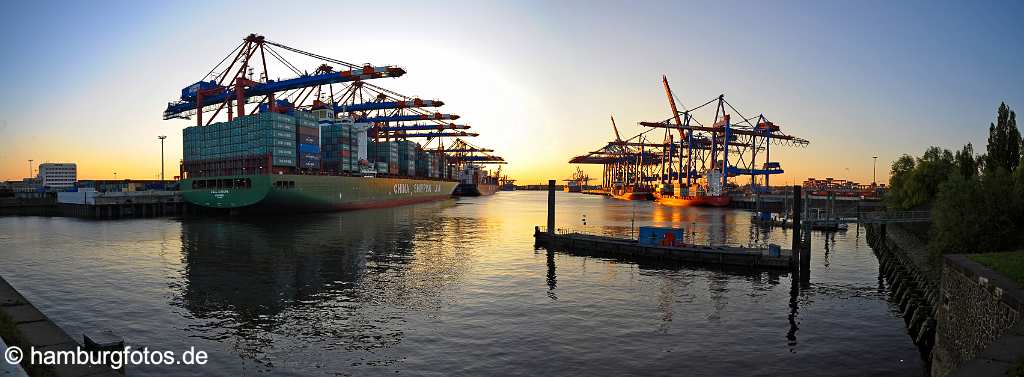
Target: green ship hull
{"x": 310, "y": 193}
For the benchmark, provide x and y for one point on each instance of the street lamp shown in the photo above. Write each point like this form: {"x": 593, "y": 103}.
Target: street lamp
{"x": 30, "y": 168}
{"x": 874, "y": 163}
{"x": 161, "y": 137}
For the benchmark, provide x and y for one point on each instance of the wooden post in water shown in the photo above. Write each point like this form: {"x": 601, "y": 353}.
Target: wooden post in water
{"x": 551, "y": 206}
{"x": 797, "y": 209}
{"x": 805, "y": 252}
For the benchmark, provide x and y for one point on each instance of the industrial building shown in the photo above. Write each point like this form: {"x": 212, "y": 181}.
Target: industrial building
{"x": 58, "y": 174}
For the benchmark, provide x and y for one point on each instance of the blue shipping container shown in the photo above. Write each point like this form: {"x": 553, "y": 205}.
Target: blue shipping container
{"x": 309, "y": 148}
{"x": 657, "y": 236}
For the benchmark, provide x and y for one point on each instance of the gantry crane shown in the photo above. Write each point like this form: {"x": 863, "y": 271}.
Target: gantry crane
{"x": 243, "y": 77}
{"x": 724, "y": 148}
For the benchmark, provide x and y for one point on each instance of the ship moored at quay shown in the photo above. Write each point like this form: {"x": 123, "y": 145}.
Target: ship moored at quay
{"x": 314, "y": 142}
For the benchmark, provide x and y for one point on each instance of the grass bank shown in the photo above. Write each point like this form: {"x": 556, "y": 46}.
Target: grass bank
{"x": 1009, "y": 264}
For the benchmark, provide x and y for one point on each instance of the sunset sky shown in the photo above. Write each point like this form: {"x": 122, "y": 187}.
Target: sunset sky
{"x": 86, "y": 82}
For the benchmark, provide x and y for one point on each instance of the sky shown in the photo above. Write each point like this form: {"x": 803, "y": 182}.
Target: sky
{"x": 86, "y": 82}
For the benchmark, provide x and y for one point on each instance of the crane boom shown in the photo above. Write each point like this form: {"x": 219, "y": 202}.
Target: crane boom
{"x": 415, "y": 102}
{"x": 672, "y": 104}
{"x": 425, "y": 127}
{"x": 189, "y": 102}
{"x": 412, "y": 117}
{"x": 721, "y": 130}
{"x": 616, "y": 128}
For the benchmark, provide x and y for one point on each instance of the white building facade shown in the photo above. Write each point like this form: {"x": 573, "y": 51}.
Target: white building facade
{"x": 58, "y": 175}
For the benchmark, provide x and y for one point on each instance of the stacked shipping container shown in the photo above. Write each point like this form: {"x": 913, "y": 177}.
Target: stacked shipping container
{"x": 308, "y": 140}
{"x": 268, "y": 141}
{"x": 384, "y": 156}
{"x": 407, "y": 157}
{"x": 339, "y": 146}
{"x": 427, "y": 164}
{"x": 253, "y": 137}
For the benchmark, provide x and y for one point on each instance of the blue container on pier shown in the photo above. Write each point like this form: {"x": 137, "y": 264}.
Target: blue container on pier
{"x": 659, "y": 236}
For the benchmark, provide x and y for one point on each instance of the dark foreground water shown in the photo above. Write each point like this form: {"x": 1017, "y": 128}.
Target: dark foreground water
{"x": 455, "y": 288}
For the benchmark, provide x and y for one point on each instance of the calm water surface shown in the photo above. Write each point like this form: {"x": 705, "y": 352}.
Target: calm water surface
{"x": 455, "y": 287}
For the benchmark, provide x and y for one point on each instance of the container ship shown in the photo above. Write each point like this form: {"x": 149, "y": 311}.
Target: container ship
{"x": 631, "y": 192}
{"x": 578, "y": 182}
{"x": 474, "y": 180}
{"x": 336, "y": 152}
{"x": 707, "y": 193}
{"x": 271, "y": 162}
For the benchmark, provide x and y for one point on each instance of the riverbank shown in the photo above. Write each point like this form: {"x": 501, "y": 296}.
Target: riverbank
{"x": 977, "y": 312}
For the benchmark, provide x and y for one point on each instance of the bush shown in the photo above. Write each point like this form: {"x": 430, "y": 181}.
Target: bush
{"x": 979, "y": 215}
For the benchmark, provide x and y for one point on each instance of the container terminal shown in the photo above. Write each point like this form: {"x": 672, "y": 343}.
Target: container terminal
{"x": 701, "y": 166}
{"x": 322, "y": 141}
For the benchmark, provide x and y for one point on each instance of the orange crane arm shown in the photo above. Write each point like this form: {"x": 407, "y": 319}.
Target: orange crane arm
{"x": 672, "y": 104}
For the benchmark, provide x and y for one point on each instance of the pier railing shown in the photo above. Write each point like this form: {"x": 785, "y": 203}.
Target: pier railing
{"x": 876, "y": 217}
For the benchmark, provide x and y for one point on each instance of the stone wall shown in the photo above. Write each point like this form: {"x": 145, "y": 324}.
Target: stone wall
{"x": 979, "y": 327}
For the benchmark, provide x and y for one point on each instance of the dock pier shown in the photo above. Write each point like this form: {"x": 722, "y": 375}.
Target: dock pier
{"x": 708, "y": 255}
{"x": 734, "y": 256}
{"x": 115, "y": 205}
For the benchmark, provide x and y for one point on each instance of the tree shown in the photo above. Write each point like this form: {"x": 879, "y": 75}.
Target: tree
{"x": 978, "y": 215}
{"x": 914, "y": 183}
{"x": 1004, "y": 141}
{"x": 965, "y": 162}
{"x": 899, "y": 176}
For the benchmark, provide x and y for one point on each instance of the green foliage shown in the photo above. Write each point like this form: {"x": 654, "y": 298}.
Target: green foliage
{"x": 977, "y": 201}
{"x": 978, "y": 215}
{"x": 914, "y": 183}
{"x": 1003, "y": 141}
{"x": 965, "y": 162}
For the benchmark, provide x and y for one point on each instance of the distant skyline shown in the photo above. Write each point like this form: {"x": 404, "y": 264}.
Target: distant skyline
{"x": 86, "y": 82}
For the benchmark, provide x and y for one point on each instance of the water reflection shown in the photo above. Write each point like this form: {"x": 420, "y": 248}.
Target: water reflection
{"x": 317, "y": 278}
{"x": 455, "y": 289}
{"x": 552, "y": 277}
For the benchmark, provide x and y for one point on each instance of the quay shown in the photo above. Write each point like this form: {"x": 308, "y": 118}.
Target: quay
{"x": 112, "y": 205}
{"x": 23, "y": 325}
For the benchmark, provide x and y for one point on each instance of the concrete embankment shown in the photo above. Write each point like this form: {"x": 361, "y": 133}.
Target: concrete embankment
{"x": 966, "y": 318}
{"x": 24, "y": 326}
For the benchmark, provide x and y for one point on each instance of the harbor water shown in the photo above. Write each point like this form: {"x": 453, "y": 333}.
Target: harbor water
{"x": 456, "y": 288}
